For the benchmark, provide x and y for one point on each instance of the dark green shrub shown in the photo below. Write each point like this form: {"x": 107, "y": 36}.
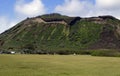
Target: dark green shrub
{"x": 108, "y": 53}
{"x": 65, "y": 52}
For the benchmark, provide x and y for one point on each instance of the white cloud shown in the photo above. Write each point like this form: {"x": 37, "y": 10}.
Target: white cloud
{"x": 23, "y": 9}
{"x": 108, "y": 4}
{"x": 107, "y": 7}
{"x": 73, "y": 7}
{"x": 85, "y": 8}
{"x": 5, "y": 24}
{"x": 33, "y": 8}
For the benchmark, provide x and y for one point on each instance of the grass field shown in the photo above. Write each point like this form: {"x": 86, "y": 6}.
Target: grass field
{"x": 58, "y": 65}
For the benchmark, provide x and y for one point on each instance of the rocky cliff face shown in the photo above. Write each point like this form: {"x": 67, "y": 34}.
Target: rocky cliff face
{"x": 55, "y": 32}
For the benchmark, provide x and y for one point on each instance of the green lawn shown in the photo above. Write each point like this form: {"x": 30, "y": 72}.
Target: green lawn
{"x": 58, "y": 65}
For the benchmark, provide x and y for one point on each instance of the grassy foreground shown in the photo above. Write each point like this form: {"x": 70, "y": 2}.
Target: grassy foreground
{"x": 56, "y": 65}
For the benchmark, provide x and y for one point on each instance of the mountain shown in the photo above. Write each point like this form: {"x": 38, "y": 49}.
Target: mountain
{"x": 56, "y": 33}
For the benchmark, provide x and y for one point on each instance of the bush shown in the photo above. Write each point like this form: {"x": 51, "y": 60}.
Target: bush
{"x": 108, "y": 53}
{"x": 64, "y": 52}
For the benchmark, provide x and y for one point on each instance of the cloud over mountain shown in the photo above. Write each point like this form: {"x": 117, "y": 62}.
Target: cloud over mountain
{"x": 5, "y": 23}
{"x": 108, "y": 4}
{"x": 83, "y": 8}
{"x": 73, "y": 7}
{"x": 87, "y": 8}
{"x": 33, "y": 8}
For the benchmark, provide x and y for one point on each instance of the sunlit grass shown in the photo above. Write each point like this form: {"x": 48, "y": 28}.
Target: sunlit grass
{"x": 58, "y": 65}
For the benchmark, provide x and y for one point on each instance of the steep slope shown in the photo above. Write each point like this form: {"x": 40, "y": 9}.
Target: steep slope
{"x": 55, "y": 33}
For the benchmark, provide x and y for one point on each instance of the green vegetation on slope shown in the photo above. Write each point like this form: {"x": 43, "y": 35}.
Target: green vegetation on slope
{"x": 62, "y": 37}
{"x": 34, "y": 37}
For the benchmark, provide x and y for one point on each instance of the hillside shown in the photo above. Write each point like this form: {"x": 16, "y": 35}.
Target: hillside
{"x": 55, "y": 33}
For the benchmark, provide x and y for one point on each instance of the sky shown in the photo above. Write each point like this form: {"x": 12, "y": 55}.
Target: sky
{"x": 14, "y": 11}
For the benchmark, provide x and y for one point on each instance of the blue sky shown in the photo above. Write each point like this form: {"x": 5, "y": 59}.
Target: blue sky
{"x": 7, "y": 6}
{"x": 13, "y": 11}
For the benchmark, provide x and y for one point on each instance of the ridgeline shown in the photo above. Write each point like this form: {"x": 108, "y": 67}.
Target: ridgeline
{"x": 59, "y": 34}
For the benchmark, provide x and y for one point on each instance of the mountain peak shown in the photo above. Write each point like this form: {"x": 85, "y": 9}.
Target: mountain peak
{"x": 59, "y": 33}
{"x": 107, "y": 17}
